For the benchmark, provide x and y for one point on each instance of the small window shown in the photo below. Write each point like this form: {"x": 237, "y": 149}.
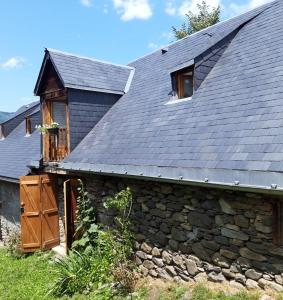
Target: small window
{"x": 183, "y": 83}
{"x": 28, "y": 126}
{"x": 2, "y": 132}
{"x": 59, "y": 113}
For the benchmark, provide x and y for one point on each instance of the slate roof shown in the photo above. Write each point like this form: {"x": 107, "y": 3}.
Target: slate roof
{"x": 22, "y": 110}
{"x": 18, "y": 150}
{"x": 88, "y": 74}
{"x": 229, "y": 133}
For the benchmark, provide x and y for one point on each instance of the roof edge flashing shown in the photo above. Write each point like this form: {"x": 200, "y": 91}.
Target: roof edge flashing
{"x": 129, "y": 81}
{"x": 236, "y": 179}
{"x": 9, "y": 179}
{"x": 89, "y": 58}
{"x": 182, "y": 66}
{"x": 90, "y": 89}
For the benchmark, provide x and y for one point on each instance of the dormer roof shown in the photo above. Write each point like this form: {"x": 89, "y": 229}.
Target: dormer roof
{"x": 85, "y": 73}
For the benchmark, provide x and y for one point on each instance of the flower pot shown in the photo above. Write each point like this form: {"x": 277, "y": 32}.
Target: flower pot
{"x": 53, "y": 131}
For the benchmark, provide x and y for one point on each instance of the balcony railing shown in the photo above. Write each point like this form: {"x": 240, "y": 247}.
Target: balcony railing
{"x": 57, "y": 145}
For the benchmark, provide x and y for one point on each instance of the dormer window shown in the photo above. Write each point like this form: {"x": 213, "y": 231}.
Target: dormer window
{"x": 182, "y": 82}
{"x": 28, "y": 126}
{"x": 185, "y": 83}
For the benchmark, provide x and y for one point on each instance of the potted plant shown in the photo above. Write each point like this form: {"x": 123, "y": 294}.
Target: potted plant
{"x": 52, "y": 129}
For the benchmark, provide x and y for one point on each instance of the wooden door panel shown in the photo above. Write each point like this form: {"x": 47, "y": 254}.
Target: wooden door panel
{"x": 39, "y": 217}
{"x": 50, "y": 212}
{"x": 30, "y": 216}
{"x": 50, "y": 230}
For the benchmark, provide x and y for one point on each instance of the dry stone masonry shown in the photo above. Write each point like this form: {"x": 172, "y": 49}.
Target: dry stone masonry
{"x": 196, "y": 234}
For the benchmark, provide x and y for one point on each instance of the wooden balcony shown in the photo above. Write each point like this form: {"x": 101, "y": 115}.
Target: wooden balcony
{"x": 56, "y": 146}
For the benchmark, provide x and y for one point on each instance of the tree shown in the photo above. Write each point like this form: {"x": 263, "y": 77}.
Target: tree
{"x": 204, "y": 18}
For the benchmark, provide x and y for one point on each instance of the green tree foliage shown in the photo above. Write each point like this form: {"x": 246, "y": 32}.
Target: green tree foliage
{"x": 195, "y": 22}
{"x": 99, "y": 262}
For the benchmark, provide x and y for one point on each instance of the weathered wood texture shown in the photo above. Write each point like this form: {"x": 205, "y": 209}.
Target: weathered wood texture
{"x": 71, "y": 195}
{"x": 55, "y": 147}
{"x": 39, "y": 213}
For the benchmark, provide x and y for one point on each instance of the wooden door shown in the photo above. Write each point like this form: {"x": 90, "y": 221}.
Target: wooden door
{"x": 39, "y": 213}
{"x": 50, "y": 212}
{"x": 30, "y": 213}
{"x": 71, "y": 195}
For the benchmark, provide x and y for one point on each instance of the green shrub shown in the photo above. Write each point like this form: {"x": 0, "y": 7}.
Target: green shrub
{"x": 99, "y": 261}
{"x": 81, "y": 273}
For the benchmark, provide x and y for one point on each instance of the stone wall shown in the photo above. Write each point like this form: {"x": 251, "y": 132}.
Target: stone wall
{"x": 9, "y": 208}
{"x": 194, "y": 233}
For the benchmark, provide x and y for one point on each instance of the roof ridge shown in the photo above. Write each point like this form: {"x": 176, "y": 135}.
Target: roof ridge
{"x": 206, "y": 29}
{"x": 88, "y": 58}
{"x": 32, "y": 105}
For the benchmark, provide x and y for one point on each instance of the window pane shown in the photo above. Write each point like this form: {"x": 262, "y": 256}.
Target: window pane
{"x": 59, "y": 113}
{"x": 188, "y": 87}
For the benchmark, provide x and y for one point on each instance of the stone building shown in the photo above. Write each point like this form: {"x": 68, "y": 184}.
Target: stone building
{"x": 195, "y": 130}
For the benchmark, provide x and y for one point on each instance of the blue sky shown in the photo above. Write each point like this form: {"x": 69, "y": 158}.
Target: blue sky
{"x": 114, "y": 30}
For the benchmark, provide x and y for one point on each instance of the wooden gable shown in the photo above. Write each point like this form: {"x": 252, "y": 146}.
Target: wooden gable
{"x": 50, "y": 81}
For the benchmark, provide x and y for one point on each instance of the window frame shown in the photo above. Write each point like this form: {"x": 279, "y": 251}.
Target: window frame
{"x": 2, "y": 135}
{"x": 178, "y": 79}
{"x": 28, "y": 126}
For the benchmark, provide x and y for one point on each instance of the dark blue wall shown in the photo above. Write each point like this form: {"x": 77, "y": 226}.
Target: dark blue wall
{"x": 86, "y": 109}
{"x": 12, "y": 123}
{"x": 207, "y": 60}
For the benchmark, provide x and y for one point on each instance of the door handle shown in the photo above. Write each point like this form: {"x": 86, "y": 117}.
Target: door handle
{"x": 22, "y": 210}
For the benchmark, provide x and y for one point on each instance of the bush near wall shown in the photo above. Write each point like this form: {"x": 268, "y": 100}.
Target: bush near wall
{"x": 189, "y": 233}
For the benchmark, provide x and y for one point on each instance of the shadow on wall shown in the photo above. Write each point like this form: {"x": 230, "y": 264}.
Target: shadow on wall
{"x": 9, "y": 207}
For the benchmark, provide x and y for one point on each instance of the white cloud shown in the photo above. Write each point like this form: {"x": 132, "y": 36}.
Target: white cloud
{"x": 192, "y": 6}
{"x": 12, "y": 63}
{"x": 105, "y": 9}
{"x": 229, "y": 8}
{"x": 168, "y": 36}
{"x": 87, "y": 3}
{"x": 133, "y": 9}
{"x": 235, "y": 9}
{"x": 170, "y": 8}
{"x": 152, "y": 46}
{"x": 182, "y": 7}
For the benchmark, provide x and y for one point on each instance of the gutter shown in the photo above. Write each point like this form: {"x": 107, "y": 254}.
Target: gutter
{"x": 9, "y": 179}
{"x": 253, "y": 181}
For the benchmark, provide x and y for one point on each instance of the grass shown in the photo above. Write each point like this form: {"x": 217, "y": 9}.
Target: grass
{"x": 25, "y": 278}
{"x": 199, "y": 292}
{"x": 30, "y": 278}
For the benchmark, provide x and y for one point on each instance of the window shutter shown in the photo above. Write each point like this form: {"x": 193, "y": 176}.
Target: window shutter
{"x": 174, "y": 84}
